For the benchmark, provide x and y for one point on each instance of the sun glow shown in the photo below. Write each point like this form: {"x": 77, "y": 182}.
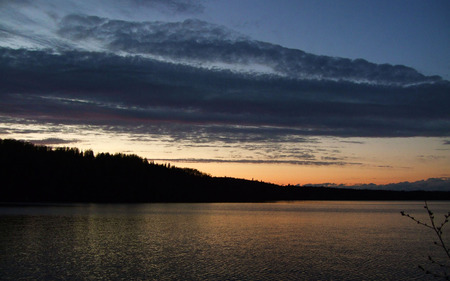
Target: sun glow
{"x": 316, "y": 160}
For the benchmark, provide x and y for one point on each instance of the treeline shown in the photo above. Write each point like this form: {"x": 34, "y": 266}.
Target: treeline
{"x": 31, "y": 173}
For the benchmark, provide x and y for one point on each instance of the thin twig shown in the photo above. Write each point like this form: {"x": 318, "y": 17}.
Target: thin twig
{"x": 441, "y": 243}
{"x": 438, "y": 231}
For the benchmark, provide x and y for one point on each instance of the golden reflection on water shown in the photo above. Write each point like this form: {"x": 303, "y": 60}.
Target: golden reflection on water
{"x": 260, "y": 241}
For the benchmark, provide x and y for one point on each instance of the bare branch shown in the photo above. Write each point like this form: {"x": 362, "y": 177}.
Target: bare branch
{"x": 440, "y": 243}
{"x": 414, "y": 219}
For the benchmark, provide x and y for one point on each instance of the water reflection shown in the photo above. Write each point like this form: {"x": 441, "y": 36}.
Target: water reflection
{"x": 283, "y": 241}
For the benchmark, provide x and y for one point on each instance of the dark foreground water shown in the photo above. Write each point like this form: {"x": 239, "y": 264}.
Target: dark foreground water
{"x": 262, "y": 241}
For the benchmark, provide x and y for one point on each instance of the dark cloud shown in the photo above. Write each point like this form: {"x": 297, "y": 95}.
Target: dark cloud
{"x": 179, "y": 6}
{"x": 198, "y": 41}
{"x": 197, "y": 81}
{"x": 431, "y": 184}
{"x": 253, "y": 161}
{"x": 97, "y": 88}
{"x": 53, "y": 141}
{"x": 352, "y": 142}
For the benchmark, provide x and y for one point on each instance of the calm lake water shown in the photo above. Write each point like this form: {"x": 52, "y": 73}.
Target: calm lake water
{"x": 257, "y": 241}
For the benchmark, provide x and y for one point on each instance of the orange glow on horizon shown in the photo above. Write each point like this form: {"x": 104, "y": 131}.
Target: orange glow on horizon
{"x": 295, "y": 174}
{"x": 357, "y": 160}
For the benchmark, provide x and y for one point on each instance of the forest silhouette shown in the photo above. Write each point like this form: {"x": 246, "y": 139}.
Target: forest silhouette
{"x": 35, "y": 173}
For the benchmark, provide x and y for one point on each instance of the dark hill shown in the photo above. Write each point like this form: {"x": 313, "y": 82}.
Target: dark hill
{"x": 31, "y": 173}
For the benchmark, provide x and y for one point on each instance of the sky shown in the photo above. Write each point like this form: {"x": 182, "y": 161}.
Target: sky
{"x": 291, "y": 92}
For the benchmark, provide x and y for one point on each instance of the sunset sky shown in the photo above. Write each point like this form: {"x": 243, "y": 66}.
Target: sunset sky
{"x": 289, "y": 92}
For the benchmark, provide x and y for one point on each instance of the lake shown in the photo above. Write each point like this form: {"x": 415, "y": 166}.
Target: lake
{"x": 224, "y": 241}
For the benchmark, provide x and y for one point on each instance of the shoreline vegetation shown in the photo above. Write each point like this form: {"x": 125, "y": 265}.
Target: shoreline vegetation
{"x": 33, "y": 173}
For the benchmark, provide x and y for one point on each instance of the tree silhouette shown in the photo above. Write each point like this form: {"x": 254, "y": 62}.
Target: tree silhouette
{"x": 31, "y": 173}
